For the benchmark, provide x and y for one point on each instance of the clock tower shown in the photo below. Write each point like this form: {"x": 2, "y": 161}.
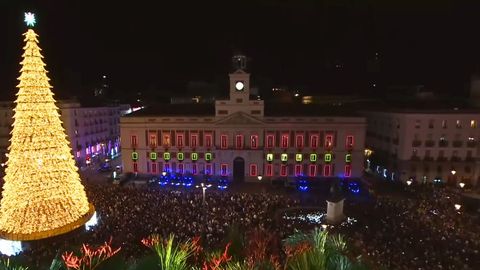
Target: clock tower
{"x": 239, "y": 92}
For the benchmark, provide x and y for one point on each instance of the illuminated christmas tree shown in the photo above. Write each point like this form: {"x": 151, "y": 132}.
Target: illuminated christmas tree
{"x": 42, "y": 195}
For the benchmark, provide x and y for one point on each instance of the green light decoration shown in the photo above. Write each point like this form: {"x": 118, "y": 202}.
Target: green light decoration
{"x": 180, "y": 156}
{"x": 284, "y": 157}
{"x": 348, "y": 158}
{"x": 153, "y": 156}
{"x": 328, "y": 157}
{"x": 313, "y": 157}
{"x": 134, "y": 155}
{"x": 270, "y": 157}
{"x": 166, "y": 156}
{"x": 208, "y": 156}
{"x": 30, "y": 19}
{"x": 298, "y": 157}
{"x": 194, "y": 156}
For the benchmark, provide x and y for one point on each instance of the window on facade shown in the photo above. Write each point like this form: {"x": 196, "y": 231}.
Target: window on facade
{"x": 284, "y": 157}
{"x": 298, "y": 169}
{"x": 180, "y": 142}
{"x": 270, "y": 141}
{"x": 223, "y": 169}
{"x": 269, "y": 157}
{"x": 208, "y": 140}
{"x": 314, "y": 141}
{"x": 135, "y": 167}
{"x": 349, "y": 142}
{"x": 458, "y": 124}
{"x": 313, "y": 157}
{"x": 133, "y": 140}
{"x": 208, "y": 169}
{"x": 328, "y": 157}
{"x": 166, "y": 167}
{"x": 327, "y": 170}
{"x": 181, "y": 168}
{"x": 180, "y": 156}
{"x": 283, "y": 170}
{"x": 348, "y": 170}
{"x": 134, "y": 155}
{"x": 312, "y": 170}
{"x": 239, "y": 141}
{"x": 208, "y": 156}
{"x": 431, "y": 123}
{"x": 253, "y": 170}
{"x": 194, "y": 156}
{"x": 153, "y": 155}
{"x": 417, "y": 123}
{"x": 328, "y": 141}
{"x": 194, "y": 169}
{"x": 154, "y": 167}
{"x": 348, "y": 158}
{"x": 473, "y": 124}
{"x": 299, "y": 141}
{"x": 268, "y": 169}
{"x": 166, "y": 156}
{"x": 254, "y": 141}
{"x": 298, "y": 157}
{"x": 166, "y": 139}
{"x": 194, "y": 140}
{"x": 444, "y": 123}
{"x": 284, "y": 141}
{"x": 223, "y": 142}
{"x": 153, "y": 140}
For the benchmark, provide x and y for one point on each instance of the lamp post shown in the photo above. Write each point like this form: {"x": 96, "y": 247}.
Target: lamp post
{"x": 453, "y": 171}
{"x": 204, "y": 187}
{"x": 461, "y": 184}
{"x": 457, "y": 206}
{"x": 164, "y": 173}
{"x": 259, "y": 178}
{"x": 409, "y": 182}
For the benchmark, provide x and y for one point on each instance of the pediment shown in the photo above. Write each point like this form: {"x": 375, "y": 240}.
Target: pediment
{"x": 239, "y": 118}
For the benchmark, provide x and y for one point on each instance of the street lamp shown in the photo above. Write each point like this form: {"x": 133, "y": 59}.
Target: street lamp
{"x": 259, "y": 178}
{"x": 409, "y": 182}
{"x": 164, "y": 173}
{"x": 204, "y": 187}
{"x": 457, "y": 206}
{"x": 453, "y": 172}
{"x": 461, "y": 184}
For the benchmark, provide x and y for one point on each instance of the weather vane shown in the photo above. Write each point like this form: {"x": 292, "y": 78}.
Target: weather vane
{"x": 30, "y": 19}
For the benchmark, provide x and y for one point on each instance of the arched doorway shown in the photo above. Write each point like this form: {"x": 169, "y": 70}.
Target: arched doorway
{"x": 238, "y": 169}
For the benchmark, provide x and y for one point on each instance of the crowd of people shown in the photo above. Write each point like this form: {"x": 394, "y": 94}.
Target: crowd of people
{"x": 423, "y": 231}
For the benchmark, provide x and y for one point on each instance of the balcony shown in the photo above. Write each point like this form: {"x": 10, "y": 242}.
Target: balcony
{"x": 455, "y": 159}
{"x": 428, "y": 158}
{"x": 471, "y": 143}
{"x": 443, "y": 143}
{"x": 457, "y": 143}
{"x": 429, "y": 143}
{"x": 416, "y": 143}
{"x": 441, "y": 159}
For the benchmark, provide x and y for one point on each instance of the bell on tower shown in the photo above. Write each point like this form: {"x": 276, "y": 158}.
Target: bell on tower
{"x": 239, "y": 61}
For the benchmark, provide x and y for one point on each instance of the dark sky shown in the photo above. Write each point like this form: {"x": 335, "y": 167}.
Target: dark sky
{"x": 295, "y": 43}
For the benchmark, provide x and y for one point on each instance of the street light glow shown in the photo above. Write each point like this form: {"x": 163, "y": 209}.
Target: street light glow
{"x": 259, "y": 178}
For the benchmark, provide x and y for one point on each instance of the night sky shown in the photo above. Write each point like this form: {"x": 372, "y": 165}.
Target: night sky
{"x": 159, "y": 48}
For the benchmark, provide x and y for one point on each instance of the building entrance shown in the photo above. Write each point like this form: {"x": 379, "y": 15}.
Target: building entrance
{"x": 238, "y": 169}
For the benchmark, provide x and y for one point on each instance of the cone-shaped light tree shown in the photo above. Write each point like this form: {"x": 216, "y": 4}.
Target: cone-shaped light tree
{"x": 42, "y": 195}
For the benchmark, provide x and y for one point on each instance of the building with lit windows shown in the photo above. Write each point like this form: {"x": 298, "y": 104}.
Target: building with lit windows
{"x": 93, "y": 132}
{"x": 242, "y": 138}
{"x": 425, "y": 145}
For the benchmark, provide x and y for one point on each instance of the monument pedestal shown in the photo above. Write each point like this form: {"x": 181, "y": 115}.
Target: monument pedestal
{"x": 335, "y": 211}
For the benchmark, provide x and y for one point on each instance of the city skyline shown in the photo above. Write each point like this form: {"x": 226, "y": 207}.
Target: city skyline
{"x": 318, "y": 47}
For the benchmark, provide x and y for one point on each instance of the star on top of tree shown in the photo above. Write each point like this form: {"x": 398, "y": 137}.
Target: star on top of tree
{"x": 30, "y": 19}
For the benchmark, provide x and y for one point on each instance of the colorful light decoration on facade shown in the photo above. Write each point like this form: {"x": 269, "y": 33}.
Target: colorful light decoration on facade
{"x": 298, "y": 157}
{"x": 313, "y": 157}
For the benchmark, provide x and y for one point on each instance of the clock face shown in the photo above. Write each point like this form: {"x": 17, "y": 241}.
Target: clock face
{"x": 239, "y": 86}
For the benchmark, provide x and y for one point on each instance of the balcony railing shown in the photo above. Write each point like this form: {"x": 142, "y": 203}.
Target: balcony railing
{"x": 457, "y": 143}
{"x": 429, "y": 143}
{"x": 471, "y": 143}
{"x": 469, "y": 159}
{"x": 416, "y": 143}
{"x": 455, "y": 159}
{"x": 443, "y": 143}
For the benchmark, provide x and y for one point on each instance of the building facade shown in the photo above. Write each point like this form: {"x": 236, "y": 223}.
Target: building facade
{"x": 239, "y": 139}
{"x": 425, "y": 146}
{"x": 93, "y": 132}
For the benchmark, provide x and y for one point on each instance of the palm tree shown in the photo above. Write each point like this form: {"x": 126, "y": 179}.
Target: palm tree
{"x": 318, "y": 250}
